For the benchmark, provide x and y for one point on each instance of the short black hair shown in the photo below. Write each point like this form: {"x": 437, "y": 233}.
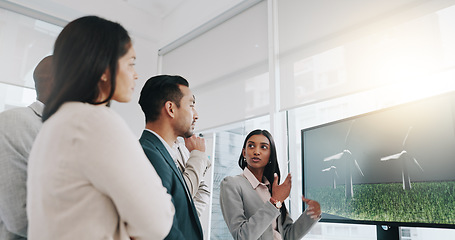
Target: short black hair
{"x": 157, "y": 91}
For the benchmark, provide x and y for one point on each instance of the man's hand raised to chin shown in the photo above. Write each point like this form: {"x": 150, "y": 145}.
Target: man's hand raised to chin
{"x": 195, "y": 143}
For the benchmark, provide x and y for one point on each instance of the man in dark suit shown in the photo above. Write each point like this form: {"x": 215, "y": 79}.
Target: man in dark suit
{"x": 168, "y": 105}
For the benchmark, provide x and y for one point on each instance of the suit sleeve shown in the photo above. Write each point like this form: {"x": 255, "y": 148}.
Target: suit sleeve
{"x": 165, "y": 174}
{"x": 299, "y": 228}
{"x": 231, "y": 201}
{"x": 195, "y": 168}
{"x": 14, "y": 150}
{"x": 202, "y": 198}
{"x": 13, "y": 190}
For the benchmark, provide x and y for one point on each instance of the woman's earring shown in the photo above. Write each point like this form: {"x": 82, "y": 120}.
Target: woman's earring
{"x": 270, "y": 161}
{"x": 244, "y": 159}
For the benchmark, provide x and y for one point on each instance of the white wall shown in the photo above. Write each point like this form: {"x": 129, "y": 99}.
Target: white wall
{"x": 190, "y": 15}
{"x": 145, "y": 30}
{"x": 149, "y": 32}
{"x": 146, "y": 66}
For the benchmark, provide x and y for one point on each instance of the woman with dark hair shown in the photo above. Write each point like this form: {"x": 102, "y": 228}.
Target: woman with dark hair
{"x": 252, "y": 202}
{"x": 88, "y": 177}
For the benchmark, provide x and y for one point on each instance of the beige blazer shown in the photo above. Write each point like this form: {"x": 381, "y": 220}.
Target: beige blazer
{"x": 194, "y": 166}
{"x": 88, "y": 178}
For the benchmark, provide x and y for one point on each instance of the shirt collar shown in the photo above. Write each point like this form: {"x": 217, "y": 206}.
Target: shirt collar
{"x": 253, "y": 180}
{"x": 37, "y": 107}
{"x": 168, "y": 148}
{"x": 40, "y": 104}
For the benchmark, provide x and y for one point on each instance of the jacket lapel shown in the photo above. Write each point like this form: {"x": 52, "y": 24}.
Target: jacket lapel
{"x": 37, "y": 108}
{"x": 167, "y": 157}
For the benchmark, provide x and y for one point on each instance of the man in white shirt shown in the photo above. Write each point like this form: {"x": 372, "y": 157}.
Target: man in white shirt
{"x": 168, "y": 105}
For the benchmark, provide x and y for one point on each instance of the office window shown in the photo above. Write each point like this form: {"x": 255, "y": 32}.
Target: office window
{"x": 13, "y": 96}
{"x": 230, "y": 65}
{"x": 335, "y": 60}
{"x": 372, "y": 45}
{"x": 228, "y": 146}
{"x": 24, "y": 41}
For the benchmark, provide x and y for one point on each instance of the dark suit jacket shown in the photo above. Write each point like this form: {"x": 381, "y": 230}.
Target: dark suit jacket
{"x": 186, "y": 223}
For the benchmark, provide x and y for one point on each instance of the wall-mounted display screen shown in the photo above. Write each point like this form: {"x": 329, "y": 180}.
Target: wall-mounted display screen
{"x": 395, "y": 166}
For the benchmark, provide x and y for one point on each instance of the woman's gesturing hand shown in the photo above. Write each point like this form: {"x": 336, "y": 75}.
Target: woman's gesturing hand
{"x": 314, "y": 209}
{"x": 281, "y": 192}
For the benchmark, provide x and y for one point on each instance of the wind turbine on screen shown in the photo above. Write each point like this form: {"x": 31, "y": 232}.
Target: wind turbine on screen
{"x": 405, "y": 158}
{"x": 332, "y": 169}
{"x": 346, "y": 155}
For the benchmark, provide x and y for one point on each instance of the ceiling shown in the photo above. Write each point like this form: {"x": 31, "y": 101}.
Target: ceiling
{"x": 158, "y": 21}
{"x": 158, "y": 8}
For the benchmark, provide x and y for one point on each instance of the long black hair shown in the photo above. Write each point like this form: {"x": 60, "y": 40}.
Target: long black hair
{"x": 83, "y": 51}
{"x": 272, "y": 166}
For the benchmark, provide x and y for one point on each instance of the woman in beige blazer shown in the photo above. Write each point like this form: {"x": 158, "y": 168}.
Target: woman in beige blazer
{"x": 88, "y": 177}
{"x": 252, "y": 202}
